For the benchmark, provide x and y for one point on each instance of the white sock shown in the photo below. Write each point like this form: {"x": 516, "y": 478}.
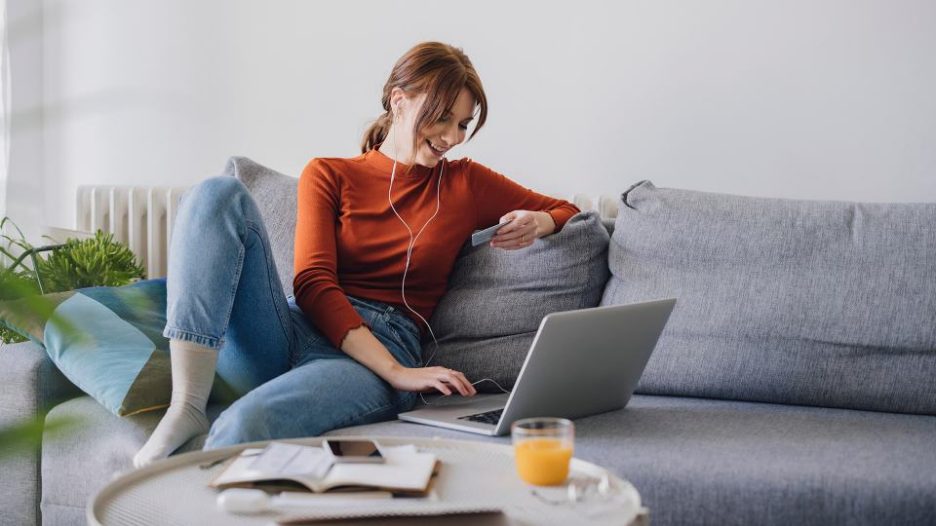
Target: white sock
{"x": 193, "y": 369}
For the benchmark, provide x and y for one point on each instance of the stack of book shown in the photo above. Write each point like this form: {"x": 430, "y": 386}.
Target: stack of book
{"x": 294, "y": 470}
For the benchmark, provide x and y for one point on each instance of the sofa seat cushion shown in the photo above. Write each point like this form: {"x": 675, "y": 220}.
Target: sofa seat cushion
{"x": 694, "y": 461}
{"x": 78, "y": 463}
{"x": 698, "y": 461}
{"x": 787, "y": 301}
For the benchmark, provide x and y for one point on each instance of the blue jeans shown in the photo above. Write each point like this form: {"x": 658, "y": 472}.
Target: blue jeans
{"x": 223, "y": 292}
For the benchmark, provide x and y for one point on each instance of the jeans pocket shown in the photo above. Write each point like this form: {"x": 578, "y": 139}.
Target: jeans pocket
{"x": 364, "y": 304}
{"x": 394, "y": 333}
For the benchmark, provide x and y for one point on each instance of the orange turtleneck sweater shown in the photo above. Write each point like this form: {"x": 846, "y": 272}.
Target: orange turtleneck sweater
{"x": 348, "y": 240}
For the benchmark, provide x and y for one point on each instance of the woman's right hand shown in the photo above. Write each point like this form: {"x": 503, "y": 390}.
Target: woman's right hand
{"x": 424, "y": 379}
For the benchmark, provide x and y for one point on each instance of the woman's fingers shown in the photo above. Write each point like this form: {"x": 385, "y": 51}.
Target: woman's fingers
{"x": 464, "y": 379}
{"x": 521, "y": 233}
{"x": 469, "y": 389}
{"x": 520, "y": 242}
{"x": 441, "y": 387}
{"x": 515, "y": 230}
{"x": 453, "y": 380}
{"x": 457, "y": 380}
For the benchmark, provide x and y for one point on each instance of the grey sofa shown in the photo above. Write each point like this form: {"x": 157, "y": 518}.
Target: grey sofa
{"x": 794, "y": 383}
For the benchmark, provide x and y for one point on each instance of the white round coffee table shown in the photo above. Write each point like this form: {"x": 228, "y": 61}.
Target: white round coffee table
{"x": 175, "y": 491}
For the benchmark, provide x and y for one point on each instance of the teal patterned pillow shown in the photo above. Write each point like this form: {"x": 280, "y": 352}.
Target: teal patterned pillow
{"x": 109, "y": 342}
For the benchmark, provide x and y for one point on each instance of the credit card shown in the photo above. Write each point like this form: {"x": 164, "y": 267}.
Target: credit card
{"x": 479, "y": 237}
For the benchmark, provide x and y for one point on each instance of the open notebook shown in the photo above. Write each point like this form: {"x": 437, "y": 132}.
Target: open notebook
{"x": 405, "y": 470}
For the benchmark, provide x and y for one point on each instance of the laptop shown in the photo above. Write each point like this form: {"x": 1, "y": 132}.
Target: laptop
{"x": 581, "y": 363}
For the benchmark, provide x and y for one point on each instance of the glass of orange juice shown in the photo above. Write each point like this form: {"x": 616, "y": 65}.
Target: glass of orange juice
{"x": 543, "y": 449}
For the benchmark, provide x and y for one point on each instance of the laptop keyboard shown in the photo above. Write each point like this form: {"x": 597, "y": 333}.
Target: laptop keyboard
{"x": 489, "y": 417}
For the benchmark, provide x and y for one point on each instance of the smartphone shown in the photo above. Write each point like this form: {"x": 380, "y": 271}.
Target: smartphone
{"x": 353, "y": 450}
{"x": 483, "y": 236}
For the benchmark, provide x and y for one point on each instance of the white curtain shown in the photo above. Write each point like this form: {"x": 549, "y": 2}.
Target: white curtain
{"x": 4, "y": 107}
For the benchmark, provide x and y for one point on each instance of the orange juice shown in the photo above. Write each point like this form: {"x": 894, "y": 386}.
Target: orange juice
{"x": 543, "y": 461}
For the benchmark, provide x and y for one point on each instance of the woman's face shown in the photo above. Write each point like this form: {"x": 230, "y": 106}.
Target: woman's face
{"x": 436, "y": 139}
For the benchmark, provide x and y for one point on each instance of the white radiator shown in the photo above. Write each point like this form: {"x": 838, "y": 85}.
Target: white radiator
{"x": 607, "y": 205}
{"x": 140, "y": 217}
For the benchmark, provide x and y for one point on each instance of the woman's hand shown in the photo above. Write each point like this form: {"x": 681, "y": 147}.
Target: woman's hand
{"x": 526, "y": 228}
{"x": 424, "y": 379}
{"x": 363, "y": 346}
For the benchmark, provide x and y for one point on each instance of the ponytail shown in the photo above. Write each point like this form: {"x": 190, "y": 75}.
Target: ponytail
{"x": 376, "y": 133}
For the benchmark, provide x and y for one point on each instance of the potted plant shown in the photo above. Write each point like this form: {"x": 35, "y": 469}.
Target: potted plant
{"x": 27, "y": 271}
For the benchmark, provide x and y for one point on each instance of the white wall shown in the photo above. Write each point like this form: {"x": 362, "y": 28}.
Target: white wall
{"x": 24, "y": 186}
{"x": 825, "y": 99}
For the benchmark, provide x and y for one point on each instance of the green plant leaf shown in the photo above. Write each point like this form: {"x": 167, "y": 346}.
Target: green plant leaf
{"x": 7, "y": 221}
{"x": 11, "y": 336}
{"x": 99, "y": 261}
{"x": 26, "y": 435}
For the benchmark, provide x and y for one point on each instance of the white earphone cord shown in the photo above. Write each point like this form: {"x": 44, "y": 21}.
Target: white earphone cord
{"x": 409, "y": 253}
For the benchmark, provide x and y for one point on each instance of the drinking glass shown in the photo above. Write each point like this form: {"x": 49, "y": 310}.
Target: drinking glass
{"x": 543, "y": 449}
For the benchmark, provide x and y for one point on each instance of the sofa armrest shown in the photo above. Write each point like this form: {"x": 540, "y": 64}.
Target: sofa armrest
{"x": 31, "y": 382}
{"x": 31, "y": 385}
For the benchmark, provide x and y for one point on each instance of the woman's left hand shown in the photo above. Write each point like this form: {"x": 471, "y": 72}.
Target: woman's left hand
{"x": 527, "y": 227}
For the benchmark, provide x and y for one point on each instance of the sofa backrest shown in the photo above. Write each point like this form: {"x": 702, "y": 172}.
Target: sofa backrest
{"x": 789, "y": 301}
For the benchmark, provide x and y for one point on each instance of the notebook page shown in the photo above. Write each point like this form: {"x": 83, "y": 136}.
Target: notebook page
{"x": 403, "y": 469}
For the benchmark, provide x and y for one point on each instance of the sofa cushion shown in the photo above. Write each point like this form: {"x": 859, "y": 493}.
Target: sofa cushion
{"x": 496, "y": 299}
{"x": 694, "y": 461}
{"x": 789, "y": 301}
{"x": 698, "y": 461}
{"x": 106, "y": 340}
{"x": 78, "y": 463}
{"x": 275, "y": 195}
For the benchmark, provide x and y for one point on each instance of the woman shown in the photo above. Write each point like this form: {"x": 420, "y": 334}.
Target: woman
{"x": 376, "y": 238}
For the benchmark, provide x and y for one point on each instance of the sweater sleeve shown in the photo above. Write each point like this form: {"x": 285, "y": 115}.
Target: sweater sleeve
{"x": 496, "y": 195}
{"x": 315, "y": 284}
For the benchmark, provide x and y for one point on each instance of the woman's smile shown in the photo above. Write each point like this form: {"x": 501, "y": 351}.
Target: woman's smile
{"x": 438, "y": 152}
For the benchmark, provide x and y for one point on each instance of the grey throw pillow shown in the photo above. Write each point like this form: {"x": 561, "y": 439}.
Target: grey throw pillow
{"x": 789, "y": 301}
{"x": 275, "y": 195}
{"x": 496, "y": 299}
